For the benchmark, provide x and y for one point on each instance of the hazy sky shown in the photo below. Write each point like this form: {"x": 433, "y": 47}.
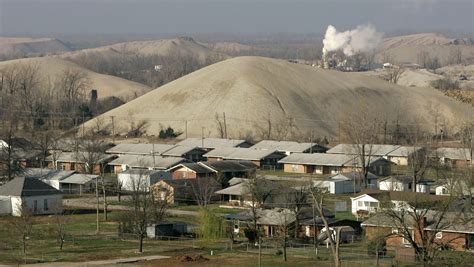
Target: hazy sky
{"x": 243, "y": 16}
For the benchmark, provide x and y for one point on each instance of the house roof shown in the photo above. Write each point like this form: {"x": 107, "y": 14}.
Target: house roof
{"x": 196, "y": 167}
{"x": 139, "y": 149}
{"x": 276, "y": 216}
{"x": 157, "y": 162}
{"x": 371, "y": 149}
{"x": 382, "y": 195}
{"x": 404, "y": 151}
{"x": 79, "y": 178}
{"x": 452, "y": 222}
{"x": 179, "y": 150}
{"x": 211, "y": 142}
{"x": 318, "y": 159}
{"x": 230, "y": 165}
{"x": 239, "y": 153}
{"x": 351, "y": 176}
{"x": 78, "y": 157}
{"x": 46, "y": 174}
{"x": 284, "y": 146}
{"x": 454, "y": 153}
{"x": 234, "y": 190}
{"x": 26, "y": 187}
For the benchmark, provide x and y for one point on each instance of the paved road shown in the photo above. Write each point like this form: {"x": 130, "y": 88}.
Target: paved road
{"x": 101, "y": 263}
{"x": 90, "y": 203}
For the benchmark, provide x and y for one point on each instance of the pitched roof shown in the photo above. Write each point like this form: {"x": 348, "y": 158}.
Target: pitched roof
{"x": 211, "y": 142}
{"x": 318, "y": 159}
{"x": 46, "y": 174}
{"x": 197, "y": 168}
{"x": 371, "y": 149}
{"x": 351, "y": 176}
{"x": 157, "y": 162}
{"x": 239, "y": 153}
{"x": 230, "y": 165}
{"x": 454, "y": 153}
{"x": 139, "y": 149}
{"x": 79, "y": 178}
{"x": 284, "y": 146}
{"x": 26, "y": 187}
{"x": 404, "y": 151}
{"x": 179, "y": 150}
{"x": 78, "y": 157}
{"x": 276, "y": 216}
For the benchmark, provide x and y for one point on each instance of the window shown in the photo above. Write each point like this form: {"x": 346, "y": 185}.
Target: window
{"x": 360, "y": 203}
{"x": 45, "y": 204}
{"x": 439, "y": 235}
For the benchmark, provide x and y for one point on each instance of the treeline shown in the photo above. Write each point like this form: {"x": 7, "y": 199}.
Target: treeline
{"x": 152, "y": 70}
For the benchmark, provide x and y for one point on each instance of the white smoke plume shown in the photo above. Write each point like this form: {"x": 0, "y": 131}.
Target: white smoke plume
{"x": 364, "y": 38}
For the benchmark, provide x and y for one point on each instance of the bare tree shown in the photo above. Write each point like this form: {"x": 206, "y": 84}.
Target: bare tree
{"x": 394, "y": 74}
{"x": 285, "y": 219}
{"x": 60, "y": 222}
{"x": 361, "y": 127}
{"x": 203, "y": 190}
{"x": 317, "y": 195}
{"x": 23, "y": 226}
{"x": 415, "y": 218}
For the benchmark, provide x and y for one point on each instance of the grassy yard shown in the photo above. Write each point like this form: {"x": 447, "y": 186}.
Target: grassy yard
{"x": 215, "y": 207}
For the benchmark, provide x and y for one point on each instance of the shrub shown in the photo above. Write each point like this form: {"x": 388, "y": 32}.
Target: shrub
{"x": 168, "y": 133}
{"x": 445, "y": 84}
{"x": 211, "y": 226}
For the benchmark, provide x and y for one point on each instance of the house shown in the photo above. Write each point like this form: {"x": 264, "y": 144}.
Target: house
{"x": 140, "y": 179}
{"x": 350, "y": 182}
{"x": 403, "y": 154}
{"x": 126, "y": 162}
{"x": 184, "y": 190}
{"x": 190, "y": 153}
{"x": 29, "y": 193}
{"x": 264, "y": 159}
{"x": 191, "y": 171}
{"x": 404, "y": 183}
{"x": 289, "y": 147}
{"x": 369, "y": 201}
{"x": 139, "y": 149}
{"x": 213, "y": 143}
{"x": 324, "y": 163}
{"x": 454, "y": 234}
{"x": 19, "y": 157}
{"x": 318, "y": 163}
{"x": 455, "y": 157}
{"x": 77, "y": 161}
{"x": 269, "y": 220}
{"x": 227, "y": 169}
{"x": 69, "y": 182}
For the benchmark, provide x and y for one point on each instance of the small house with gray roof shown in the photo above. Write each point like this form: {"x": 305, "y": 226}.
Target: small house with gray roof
{"x": 23, "y": 193}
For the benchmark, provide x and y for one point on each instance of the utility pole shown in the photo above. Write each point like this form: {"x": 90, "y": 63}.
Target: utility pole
{"x": 98, "y": 204}
{"x": 113, "y": 129}
{"x": 202, "y": 137}
{"x": 311, "y": 141}
{"x": 186, "y": 129}
{"x": 83, "y": 119}
{"x": 153, "y": 155}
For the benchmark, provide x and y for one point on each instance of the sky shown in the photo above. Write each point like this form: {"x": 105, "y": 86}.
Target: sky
{"x": 43, "y": 17}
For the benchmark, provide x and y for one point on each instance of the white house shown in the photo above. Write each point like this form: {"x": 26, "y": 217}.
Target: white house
{"x": 30, "y": 193}
{"x": 403, "y": 183}
{"x": 453, "y": 187}
{"x": 139, "y": 179}
{"x": 343, "y": 183}
{"x": 369, "y": 201}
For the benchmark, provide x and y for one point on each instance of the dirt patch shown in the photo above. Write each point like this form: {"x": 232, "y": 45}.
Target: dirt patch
{"x": 190, "y": 258}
